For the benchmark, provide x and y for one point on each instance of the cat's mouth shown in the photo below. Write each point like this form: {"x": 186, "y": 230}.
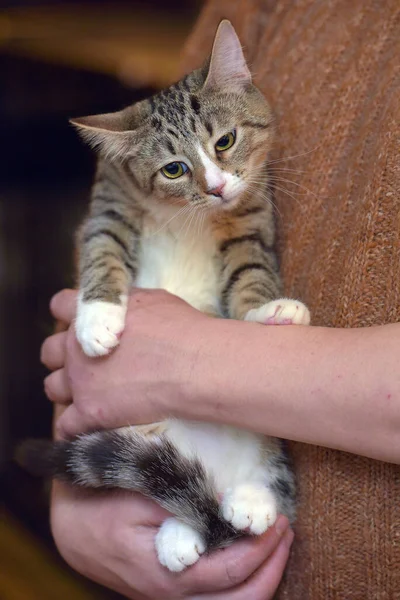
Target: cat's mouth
{"x": 230, "y": 198}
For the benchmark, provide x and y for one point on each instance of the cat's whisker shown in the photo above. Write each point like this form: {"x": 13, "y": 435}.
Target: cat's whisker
{"x": 272, "y": 162}
{"x": 281, "y": 180}
{"x": 203, "y": 220}
{"x": 307, "y": 190}
{"x": 272, "y": 179}
{"x": 189, "y": 214}
{"x": 180, "y": 212}
{"x": 196, "y": 222}
{"x": 269, "y": 199}
{"x": 186, "y": 216}
{"x": 264, "y": 193}
{"x": 200, "y": 213}
{"x": 266, "y": 197}
{"x": 280, "y": 189}
{"x": 205, "y": 215}
{"x": 294, "y": 171}
{"x": 264, "y": 178}
{"x": 259, "y": 182}
{"x": 192, "y": 222}
{"x": 196, "y": 225}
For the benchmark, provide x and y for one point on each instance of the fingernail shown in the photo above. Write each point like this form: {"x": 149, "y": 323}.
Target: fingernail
{"x": 289, "y": 537}
{"x": 281, "y": 525}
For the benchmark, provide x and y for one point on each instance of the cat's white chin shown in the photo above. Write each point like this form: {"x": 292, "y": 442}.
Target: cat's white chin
{"x": 229, "y": 204}
{"x": 232, "y": 196}
{"x": 229, "y": 201}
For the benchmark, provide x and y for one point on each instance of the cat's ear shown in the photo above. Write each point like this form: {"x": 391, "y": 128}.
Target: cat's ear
{"x": 113, "y": 134}
{"x": 227, "y": 66}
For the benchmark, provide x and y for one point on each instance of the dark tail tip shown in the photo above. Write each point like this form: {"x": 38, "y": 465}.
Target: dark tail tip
{"x": 38, "y": 457}
{"x": 219, "y": 533}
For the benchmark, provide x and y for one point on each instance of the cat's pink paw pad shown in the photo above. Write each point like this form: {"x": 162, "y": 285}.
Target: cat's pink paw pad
{"x": 280, "y": 312}
{"x": 273, "y": 321}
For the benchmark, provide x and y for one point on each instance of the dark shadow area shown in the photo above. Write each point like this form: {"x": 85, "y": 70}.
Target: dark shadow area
{"x": 45, "y": 178}
{"x": 51, "y": 71}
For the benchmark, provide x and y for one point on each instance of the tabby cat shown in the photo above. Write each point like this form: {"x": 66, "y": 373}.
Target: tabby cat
{"x": 180, "y": 202}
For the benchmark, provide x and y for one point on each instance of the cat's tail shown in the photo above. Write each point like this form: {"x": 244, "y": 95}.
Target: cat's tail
{"x": 124, "y": 459}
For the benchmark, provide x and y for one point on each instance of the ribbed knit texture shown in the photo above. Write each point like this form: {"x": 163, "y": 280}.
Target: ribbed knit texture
{"x": 330, "y": 70}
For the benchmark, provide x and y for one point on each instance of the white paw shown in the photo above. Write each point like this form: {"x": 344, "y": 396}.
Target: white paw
{"x": 280, "y": 312}
{"x": 99, "y": 324}
{"x": 178, "y": 545}
{"x": 250, "y": 506}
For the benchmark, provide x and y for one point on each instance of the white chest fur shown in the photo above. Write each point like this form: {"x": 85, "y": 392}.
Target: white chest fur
{"x": 180, "y": 259}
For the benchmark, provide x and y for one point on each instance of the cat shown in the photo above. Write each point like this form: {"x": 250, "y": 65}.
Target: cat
{"x": 180, "y": 201}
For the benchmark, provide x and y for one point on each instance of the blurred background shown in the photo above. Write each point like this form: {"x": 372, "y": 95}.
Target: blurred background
{"x": 57, "y": 59}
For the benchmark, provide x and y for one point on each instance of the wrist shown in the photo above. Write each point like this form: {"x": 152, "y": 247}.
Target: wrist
{"x": 241, "y": 371}
{"x": 207, "y": 383}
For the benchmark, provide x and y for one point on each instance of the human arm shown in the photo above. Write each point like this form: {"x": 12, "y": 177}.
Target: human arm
{"x": 338, "y": 388}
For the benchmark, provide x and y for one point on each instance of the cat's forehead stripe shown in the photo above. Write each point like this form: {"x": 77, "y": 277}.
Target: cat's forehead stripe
{"x": 170, "y": 147}
{"x": 195, "y": 104}
{"x": 209, "y": 127}
{"x": 172, "y": 132}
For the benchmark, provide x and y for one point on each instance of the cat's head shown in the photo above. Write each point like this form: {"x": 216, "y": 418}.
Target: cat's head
{"x": 203, "y": 141}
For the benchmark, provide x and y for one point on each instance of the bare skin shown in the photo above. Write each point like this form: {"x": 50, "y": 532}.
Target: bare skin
{"x": 110, "y": 538}
{"x": 338, "y": 388}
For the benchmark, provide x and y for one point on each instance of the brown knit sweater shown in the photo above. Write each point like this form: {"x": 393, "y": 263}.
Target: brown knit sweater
{"x": 330, "y": 69}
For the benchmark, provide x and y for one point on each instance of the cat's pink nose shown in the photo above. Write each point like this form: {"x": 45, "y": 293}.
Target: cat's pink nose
{"x": 216, "y": 191}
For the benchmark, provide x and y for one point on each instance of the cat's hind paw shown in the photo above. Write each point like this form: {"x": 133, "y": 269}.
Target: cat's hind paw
{"x": 250, "y": 507}
{"x": 99, "y": 325}
{"x": 178, "y": 545}
{"x": 280, "y": 312}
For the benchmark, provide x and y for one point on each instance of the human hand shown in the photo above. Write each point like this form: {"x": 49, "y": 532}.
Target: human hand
{"x": 139, "y": 382}
{"x": 109, "y": 538}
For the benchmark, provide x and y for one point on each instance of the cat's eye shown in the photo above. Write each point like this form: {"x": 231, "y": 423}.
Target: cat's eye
{"x": 174, "y": 170}
{"x": 226, "y": 141}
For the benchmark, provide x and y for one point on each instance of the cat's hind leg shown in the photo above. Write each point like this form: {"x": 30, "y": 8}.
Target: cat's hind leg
{"x": 178, "y": 545}
{"x": 250, "y": 506}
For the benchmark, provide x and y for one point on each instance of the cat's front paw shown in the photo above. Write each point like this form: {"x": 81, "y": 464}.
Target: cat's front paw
{"x": 178, "y": 545}
{"x": 99, "y": 325}
{"x": 280, "y": 312}
{"x": 250, "y": 507}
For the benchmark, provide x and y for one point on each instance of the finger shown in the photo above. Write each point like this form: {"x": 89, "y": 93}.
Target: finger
{"x": 70, "y": 423}
{"x": 56, "y": 387}
{"x": 265, "y": 581}
{"x": 228, "y": 568}
{"x": 52, "y": 353}
{"x": 63, "y": 305}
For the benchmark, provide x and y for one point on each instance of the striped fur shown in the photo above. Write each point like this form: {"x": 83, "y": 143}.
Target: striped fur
{"x": 130, "y": 191}
{"x": 208, "y": 237}
{"x": 161, "y": 464}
